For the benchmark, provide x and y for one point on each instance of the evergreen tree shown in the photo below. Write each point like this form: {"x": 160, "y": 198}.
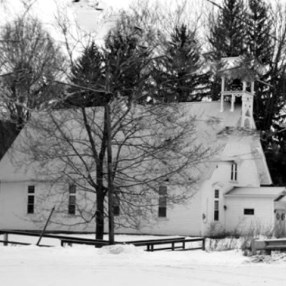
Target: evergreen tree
{"x": 126, "y": 59}
{"x": 259, "y": 31}
{"x": 227, "y": 30}
{"x": 260, "y": 47}
{"x": 177, "y": 73}
{"x": 87, "y": 72}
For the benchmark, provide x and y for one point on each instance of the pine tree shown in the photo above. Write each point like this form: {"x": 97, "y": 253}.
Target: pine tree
{"x": 259, "y": 31}
{"x": 126, "y": 59}
{"x": 177, "y": 72}
{"x": 87, "y": 72}
{"x": 227, "y": 30}
{"x": 260, "y": 47}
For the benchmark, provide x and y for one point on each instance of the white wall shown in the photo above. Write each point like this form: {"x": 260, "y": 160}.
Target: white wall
{"x": 13, "y": 208}
{"x": 262, "y": 220}
{"x": 182, "y": 219}
{"x": 237, "y": 149}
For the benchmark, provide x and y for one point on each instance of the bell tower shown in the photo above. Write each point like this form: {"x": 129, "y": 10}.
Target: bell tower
{"x": 237, "y": 83}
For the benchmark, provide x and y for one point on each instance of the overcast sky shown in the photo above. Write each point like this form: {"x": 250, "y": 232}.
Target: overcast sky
{"x": 83, "y": 12}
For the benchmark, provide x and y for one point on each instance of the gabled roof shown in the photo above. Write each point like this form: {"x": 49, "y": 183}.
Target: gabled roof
{"x": 210, "y": 122}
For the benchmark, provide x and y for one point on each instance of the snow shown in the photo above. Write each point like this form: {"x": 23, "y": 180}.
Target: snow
{"x": 129, "y": 266}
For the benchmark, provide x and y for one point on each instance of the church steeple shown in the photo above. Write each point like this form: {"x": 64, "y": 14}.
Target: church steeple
{"x": 236, "y": 83}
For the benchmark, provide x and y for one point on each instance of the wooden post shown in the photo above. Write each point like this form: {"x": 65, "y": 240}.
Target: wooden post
{"x": 44, "y": 229}
{"x": 203, "y": 244}
{"x": 222, "y": 93}
{"x": 5, "y": 239}
{"x": 232, "y": 102}
{"x": 244, "y": 85}
{"x": 252, "y": 87}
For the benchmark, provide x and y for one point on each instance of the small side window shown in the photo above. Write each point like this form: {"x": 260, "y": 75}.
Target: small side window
{"x": 248, "y": 211}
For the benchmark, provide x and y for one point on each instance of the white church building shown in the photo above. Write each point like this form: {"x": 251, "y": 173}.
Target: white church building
{"x": 234, "y": 192}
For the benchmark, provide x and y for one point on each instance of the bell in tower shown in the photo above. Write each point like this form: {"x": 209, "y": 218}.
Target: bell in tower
{"x": 237, "y": 84}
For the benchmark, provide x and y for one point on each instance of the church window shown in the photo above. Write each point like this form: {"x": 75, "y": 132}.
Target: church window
{"x": 162, "y": 211}
{"x": 233, "y": 175}
{"x": 216, "y": 194}
{"x": 216, "y": 210}
{"x": 31, "y": 200}
{"x": 216, "y": 205}
{"x": 72, "y": 199}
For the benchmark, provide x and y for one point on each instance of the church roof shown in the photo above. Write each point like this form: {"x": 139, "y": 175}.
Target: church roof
{"x": 213, "y": 128}
{"x": 271, "y": 192}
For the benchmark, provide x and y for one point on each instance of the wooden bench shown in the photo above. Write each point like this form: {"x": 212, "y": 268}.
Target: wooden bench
{"x": 268, "y": 245}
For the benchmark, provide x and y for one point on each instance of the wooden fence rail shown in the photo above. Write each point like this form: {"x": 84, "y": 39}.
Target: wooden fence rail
{"x": 6, "y": 233}
{"x": 268, "y": 245}
{"x": 169, "y": 243}
{"x": 181, "y": 243}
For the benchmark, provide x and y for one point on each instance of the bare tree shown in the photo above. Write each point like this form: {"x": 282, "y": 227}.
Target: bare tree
{"x": 29, "y": 59}
{"x": 151, "y": 145}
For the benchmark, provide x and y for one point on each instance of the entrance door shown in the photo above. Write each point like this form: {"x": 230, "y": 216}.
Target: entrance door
{"x": 280, "y": 227}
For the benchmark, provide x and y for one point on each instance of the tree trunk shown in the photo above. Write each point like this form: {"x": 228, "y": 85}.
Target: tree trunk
{"x": 99, "y": 219}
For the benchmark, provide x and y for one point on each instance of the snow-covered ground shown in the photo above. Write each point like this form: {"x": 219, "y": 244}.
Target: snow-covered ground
{"x": 129, "y": 266}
